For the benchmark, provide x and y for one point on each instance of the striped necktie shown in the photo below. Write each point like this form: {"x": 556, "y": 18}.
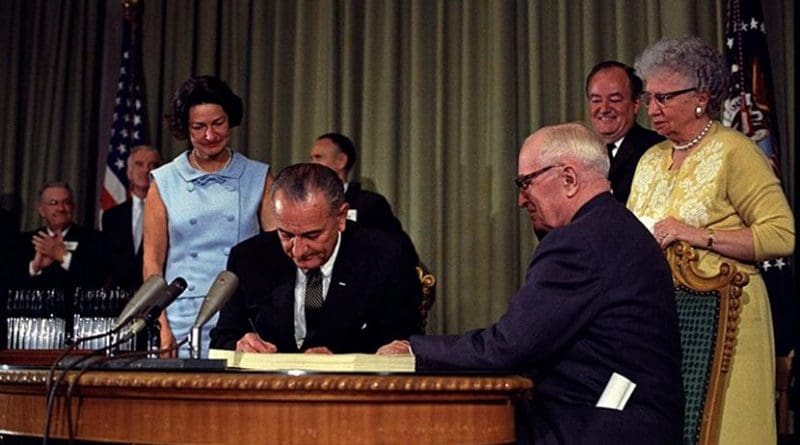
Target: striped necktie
{"x": 313, "y": 300}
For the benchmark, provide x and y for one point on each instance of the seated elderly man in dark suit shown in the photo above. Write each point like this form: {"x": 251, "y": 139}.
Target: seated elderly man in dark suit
{"x": 61, "y": 254}
{"x": 369, "y": 209}
{"x": 318, "y": 283}
{"x": 595, "y": 323}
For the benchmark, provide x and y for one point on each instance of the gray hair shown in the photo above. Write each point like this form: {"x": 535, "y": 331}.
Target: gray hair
{"x": 299, "y": 181}
{"x": 576, "y": 141}
{"x": 54, "y": 185}
{"x": 139, "y": 148}
{"x": 692, "y": 58}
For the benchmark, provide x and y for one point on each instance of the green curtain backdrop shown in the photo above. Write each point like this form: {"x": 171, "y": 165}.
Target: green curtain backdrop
{"x": 438, "y": 96}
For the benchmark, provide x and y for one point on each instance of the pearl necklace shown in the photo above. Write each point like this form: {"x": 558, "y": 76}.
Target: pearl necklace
{"x": 194, "y": 163}
{"x": 697, "y": 138}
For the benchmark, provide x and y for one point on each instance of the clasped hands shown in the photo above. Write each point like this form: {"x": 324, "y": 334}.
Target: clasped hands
{"x": 48, "y": 249}
{"x": 669, "y": 230}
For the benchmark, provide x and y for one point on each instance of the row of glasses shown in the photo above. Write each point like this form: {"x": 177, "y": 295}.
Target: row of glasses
{"x": 36, "y": 319}
{"x": 95, "y": 312}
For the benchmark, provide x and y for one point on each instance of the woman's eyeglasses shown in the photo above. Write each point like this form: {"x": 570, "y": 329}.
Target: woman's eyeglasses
{"x": 662, "y": 98}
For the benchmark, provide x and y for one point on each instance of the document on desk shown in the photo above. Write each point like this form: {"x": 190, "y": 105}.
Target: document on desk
{"x": 315, "y": 362}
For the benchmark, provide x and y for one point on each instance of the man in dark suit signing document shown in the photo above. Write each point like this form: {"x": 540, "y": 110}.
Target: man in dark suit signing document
{"x": 318, "y": 283}
{"x": 594, "y": 325}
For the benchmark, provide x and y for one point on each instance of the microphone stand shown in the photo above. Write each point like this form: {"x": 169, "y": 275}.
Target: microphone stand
{"x": 153, "y": 338}
{"x": 195, "y": 342}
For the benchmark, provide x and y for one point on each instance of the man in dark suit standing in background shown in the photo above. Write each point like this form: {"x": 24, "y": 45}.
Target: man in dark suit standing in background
{"x": 8, "y": 224}
{"x": 613, "y": 90}
{"x": 594, "y": 325}
{"x": 369, "y": 209}
{"x": 61, "y": 254}
{"x": 319, "y": 283}
{"x": 9, "y": 230}
{"x": 123, "y": 223}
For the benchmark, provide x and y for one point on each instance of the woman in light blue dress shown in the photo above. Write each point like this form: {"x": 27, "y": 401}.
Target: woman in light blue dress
{"x": 202, "y": 203}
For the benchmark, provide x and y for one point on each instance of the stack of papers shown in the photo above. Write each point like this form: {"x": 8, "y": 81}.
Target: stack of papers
{"x": 315, "y": 362}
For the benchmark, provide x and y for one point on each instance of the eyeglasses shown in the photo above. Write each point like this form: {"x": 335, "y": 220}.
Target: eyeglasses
{"x": 525, "y": 180}
{"x": 662, "y": 98}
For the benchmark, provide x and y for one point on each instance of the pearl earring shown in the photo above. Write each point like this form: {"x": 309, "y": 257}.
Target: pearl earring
{"x": 698, "y": 111}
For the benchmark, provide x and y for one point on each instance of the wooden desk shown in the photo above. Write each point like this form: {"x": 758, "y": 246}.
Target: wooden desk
{"x": 265, "y": 408}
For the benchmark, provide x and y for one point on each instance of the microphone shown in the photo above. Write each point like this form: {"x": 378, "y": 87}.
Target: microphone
{"x": 165, "y": 298}
{"x": 137, "y": 326}
{"x": 146, "y": 293}
{"x": 218, "y": 294}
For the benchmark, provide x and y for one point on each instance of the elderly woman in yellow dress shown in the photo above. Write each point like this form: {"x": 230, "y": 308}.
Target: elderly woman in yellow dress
{"x": 712, "y": 187}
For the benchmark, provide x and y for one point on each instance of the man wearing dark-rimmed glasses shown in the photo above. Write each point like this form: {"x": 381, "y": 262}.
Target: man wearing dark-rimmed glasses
{"x": 595, "y": 316}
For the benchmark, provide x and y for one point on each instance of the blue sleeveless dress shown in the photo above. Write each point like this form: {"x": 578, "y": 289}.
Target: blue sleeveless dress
{"x": 207, "y": 214}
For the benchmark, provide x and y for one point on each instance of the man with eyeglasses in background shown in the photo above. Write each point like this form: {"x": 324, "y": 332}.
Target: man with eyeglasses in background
{"x": 595, "y": 317}
{"x": 613, "y": 90}
{"x": 62, "y": 254}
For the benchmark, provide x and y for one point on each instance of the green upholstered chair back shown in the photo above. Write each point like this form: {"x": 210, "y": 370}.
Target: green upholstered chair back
{"x": 708, "y": 316}
{"x": 698, "y": 315}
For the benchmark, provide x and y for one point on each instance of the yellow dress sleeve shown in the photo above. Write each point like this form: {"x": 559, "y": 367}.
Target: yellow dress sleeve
{"x": 756, "y": 194}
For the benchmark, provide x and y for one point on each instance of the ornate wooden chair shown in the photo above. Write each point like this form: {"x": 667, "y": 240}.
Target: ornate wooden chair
{"x": 708, "y": 315}
{"x": 428, "y": 293}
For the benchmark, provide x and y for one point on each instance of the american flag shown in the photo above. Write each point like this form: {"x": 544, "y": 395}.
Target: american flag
{"x": 127, "y": 129}
{"x": 750, "y": 108}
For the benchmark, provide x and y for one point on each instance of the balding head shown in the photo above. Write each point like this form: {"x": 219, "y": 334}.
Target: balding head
{"x": 560, "y": 168}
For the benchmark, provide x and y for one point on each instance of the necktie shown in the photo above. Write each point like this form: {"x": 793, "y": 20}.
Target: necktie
{"x": 611, "y": 148}
{"x": 138, "y": 210}
{"x": 313, "y": 289}
{"x": 313, "y": 300}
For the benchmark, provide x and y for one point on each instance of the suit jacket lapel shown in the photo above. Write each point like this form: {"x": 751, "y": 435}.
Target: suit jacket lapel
{"x": 625, "y": 151}
{"x": 340, "y": 304}
{"x": 128, "y": 225}
{"x": 283, "y": 302}
{"x": 345, "y": 270}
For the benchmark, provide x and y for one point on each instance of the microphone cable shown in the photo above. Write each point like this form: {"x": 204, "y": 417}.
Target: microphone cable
{"x": 53, "y": 384}
{"x": 97, "y": 360}
{"x": 51, "y": 388}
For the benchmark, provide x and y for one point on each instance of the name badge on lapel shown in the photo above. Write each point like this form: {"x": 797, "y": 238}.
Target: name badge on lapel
{"x": 352, "y": 215}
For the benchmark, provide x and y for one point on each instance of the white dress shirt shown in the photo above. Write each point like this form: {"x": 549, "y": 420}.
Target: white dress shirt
{"x": 300, "y": 293}
{"x": 137, "y": 212}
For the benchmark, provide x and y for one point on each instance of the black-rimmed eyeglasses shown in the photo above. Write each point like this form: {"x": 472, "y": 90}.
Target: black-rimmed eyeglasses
{"x": 525, "y": 180}
{"x": 662, "y": 98}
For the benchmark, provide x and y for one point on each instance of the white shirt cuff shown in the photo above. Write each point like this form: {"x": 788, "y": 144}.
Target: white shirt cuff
{"x": 66, "y": 260}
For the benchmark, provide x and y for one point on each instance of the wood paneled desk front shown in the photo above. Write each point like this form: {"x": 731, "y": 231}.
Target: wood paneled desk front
{"x": 266, "y": 408}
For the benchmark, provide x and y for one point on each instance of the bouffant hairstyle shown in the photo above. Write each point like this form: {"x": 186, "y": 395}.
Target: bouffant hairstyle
{"x": 202, "y": 90}
{"x": 700, "y": 64}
